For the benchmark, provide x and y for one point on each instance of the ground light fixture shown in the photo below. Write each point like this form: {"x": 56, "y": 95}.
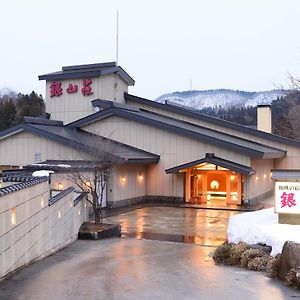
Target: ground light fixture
{"x": 13, "y": 216}
{"x": 60, "y": 186}
{"x": 123, "y": 178}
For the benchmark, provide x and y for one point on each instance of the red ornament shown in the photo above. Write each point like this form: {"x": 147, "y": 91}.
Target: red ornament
{"x": 55, "y": 89}
{"x": 86, "y": 88}
{"x": 72, "y": 88}
{"x": 287, "y": 200}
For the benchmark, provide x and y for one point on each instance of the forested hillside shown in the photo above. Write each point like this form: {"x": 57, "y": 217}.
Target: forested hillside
{"x": 13, "y": 107}
{"x": 285, "y": 115}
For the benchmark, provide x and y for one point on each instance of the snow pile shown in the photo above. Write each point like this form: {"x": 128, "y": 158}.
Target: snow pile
{"x": 42, "y": 173}
{"x": 262, "y": 227}
{"x": 49, "y": 165}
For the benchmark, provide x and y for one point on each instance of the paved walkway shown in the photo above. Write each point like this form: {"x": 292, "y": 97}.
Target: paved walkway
{"x": 139, "y": 268}
{"x": 198, "y": 226}
{"x": 133, "y": 269}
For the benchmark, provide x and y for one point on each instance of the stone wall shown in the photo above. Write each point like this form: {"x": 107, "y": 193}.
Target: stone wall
{"x": 33, "y": 225}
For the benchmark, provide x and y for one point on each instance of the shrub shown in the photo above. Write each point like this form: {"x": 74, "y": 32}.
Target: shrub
{"x": 235, "y": 253}
{"x": 221, "y": 255}
{"x": 259, "y": 263}
{"x": 250, "y": 254}
{"x": 273, "y": 266}
{"x": 292, "y": 278}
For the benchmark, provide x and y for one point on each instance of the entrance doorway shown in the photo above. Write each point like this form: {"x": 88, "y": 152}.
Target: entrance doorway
{"x": 214, "y": 185}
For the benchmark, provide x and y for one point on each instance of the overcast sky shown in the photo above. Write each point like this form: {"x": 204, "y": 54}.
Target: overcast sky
{"x": 247, "y": 45}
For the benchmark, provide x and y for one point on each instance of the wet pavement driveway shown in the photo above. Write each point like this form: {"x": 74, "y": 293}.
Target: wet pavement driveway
{"x": 145, "y": 264}
{"x": 187, "y": 225}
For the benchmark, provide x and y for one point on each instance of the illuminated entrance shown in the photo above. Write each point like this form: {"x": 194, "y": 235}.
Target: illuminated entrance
{"x": 213, "y": 180}
{"x": 211, "y": 183}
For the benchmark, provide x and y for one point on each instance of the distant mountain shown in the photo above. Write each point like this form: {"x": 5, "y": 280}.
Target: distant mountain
{"x": 224, "y": 98}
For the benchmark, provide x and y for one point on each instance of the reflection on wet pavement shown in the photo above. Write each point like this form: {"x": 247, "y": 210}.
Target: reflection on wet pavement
{"x": 184, "y": 225}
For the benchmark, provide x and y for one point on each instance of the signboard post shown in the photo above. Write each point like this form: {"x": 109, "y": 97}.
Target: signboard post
{"x": 287, "y": 202}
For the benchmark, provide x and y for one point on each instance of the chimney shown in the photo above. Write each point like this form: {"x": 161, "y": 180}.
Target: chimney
{"x": 264, "y": 118}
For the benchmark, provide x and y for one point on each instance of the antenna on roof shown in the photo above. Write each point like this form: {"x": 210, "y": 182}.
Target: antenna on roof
{"x": 117, "y": 55}
{"x": 117, "y": 39}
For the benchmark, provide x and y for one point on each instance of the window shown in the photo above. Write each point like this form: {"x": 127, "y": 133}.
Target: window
{"x": 37, "y": 156}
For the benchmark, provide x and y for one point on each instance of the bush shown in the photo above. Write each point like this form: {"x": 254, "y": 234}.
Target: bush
{"x": 249, "y": 255}
{"x": 292, "y": 278}
{"x": 273, "y": 266}
{"x": 221, "y": 255}
{"x": 259, "y": 263}
{"x": 235, "y": 253}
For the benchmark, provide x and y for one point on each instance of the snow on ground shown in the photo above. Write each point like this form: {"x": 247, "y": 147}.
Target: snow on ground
{"x": 262, "y": 227}
{"x": 41, "y": 173}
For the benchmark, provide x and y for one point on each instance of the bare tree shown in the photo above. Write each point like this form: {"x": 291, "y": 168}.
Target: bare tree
{"x": 93, "y": 182}
{"x": 91, "y": 176}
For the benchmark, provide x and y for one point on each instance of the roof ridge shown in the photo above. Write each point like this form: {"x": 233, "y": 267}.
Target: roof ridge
{"x": 197, "y": 115}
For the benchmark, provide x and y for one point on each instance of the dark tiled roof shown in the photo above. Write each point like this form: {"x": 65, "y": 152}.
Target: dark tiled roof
{"x": 20, "y": 186}
{"x": 90, "y": 70}
{"x": 195, "y": 114}
{"x": 60, "y": 195}
{"x": 98, "y": 147}
{"x": 253, "y": 149}
{"x": 79, "y": 198}
{"x": 210, "y": 158}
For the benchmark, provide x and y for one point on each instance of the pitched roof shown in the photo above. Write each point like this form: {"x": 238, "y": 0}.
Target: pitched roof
{"x": 90, "y": 70}
{"x": 210, "y": 158}
{"x": 97, "y": 146}
{"x": 197, "y": 115}
{"x": 252, "y": 149}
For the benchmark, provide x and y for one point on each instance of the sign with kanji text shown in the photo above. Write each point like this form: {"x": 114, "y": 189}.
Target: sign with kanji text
{"x": 287, "y": 197}
{"x": 57, "y": 89}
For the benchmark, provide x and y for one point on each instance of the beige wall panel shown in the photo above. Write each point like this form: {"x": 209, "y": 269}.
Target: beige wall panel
{"x": 214, "y": 126}
{"x": 132, "y": 186}
{"x": 19, "y": 149}
{"x": 260, "y": 182}
{"x": 291, "y": 161}
{"x": 172, "y": 148}
{"x": 70, "y": 107}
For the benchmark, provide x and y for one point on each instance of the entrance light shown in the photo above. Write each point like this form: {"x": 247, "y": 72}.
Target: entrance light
{"x": 214, "y": 185}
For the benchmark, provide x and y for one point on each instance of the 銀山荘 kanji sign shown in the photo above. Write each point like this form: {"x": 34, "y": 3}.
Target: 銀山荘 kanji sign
{"x": 287, "y": 197}
{"x": 56, "y": 88}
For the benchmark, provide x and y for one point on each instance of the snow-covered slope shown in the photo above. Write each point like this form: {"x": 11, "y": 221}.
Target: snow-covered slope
{"x": 222, "y": 97}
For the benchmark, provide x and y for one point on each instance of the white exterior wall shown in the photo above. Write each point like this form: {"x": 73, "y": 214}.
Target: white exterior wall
{"x": 20, "y": 148}
{"x": 172, "y": 148}
{"x": 39, "y": 231}
{"x": 70, "y": 107}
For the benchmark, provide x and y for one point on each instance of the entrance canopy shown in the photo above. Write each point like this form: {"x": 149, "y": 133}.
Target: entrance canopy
{"x": 210, "y": 158}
